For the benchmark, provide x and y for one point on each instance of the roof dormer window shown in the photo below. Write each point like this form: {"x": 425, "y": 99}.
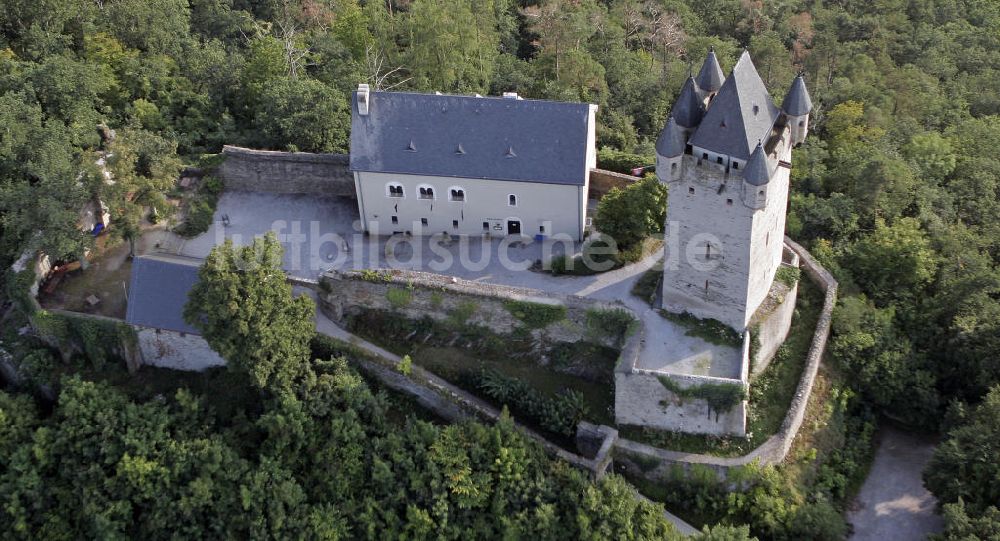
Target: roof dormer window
{"x": 411, "y": 147}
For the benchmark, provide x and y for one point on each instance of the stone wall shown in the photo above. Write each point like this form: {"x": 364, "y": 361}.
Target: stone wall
{"x": 642, "y": 400}
{"x": 773, "y": 320}
{"x": 286, "y": 172}
{"x": 602, "y": 180}
{"x": 180, "y": 351}
{"x": 418, "y": 294}
{"x": 655, "y": 464}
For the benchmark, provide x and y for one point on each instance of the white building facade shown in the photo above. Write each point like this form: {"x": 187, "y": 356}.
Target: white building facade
{"x": 725, "y": 155}
{"x": 426, "y": 164}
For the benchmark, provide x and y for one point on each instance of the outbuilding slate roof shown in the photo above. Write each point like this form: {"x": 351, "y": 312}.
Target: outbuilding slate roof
{"x": 159, "y": 290}
{"x": 741, "y": 114}
{"x": 471, "y": 137}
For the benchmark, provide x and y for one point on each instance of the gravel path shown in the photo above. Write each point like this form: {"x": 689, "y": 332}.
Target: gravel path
{"x": 893, "y": 503}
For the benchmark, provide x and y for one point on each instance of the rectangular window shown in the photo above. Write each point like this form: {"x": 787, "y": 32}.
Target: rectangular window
{"x": 718, "y": 160}
{"x": 736, "y": 165}
{"x": 704, "y": 155}
{"x": 691, "y": 190}
{"x": 541, "y": 229}
{"x": 486, "y": 226}
{"x": 673, "y": 167}
{"x": 423, "y": 221}
{"x": 454, "y": 224}
{"x": 729, "y": 202}
{"x": 395, "y": 220}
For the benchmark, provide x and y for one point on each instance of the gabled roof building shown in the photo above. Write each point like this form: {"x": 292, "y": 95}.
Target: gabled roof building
{"x": 471, "y": 165}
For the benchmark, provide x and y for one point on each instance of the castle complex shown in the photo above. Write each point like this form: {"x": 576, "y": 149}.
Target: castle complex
{"x": 725, "y": 154}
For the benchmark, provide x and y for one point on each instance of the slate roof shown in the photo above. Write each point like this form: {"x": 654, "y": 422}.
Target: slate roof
{"x": 741, "y": 114}
{"x": 797, "y": 101}
{"x": 672, "y": 140}
{"x": 688, "y": 109}
{"x": 158, "y": 291}
{"x": 758, "y": 170}
{"x": 710, "y": 78}
{"x": 499, "y": 138}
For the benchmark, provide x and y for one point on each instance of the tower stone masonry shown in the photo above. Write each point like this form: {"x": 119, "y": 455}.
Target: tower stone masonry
{"x": 725, "y": 155}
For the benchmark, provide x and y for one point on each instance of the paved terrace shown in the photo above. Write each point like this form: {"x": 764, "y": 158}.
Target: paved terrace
{"x": 314, "y": 231}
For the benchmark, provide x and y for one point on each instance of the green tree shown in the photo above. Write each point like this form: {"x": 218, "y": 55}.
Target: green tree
{"x": 895, "y": 261}
{"x": 632, "y": 214}
{"x": 452, "y": 45}
{"x": 960, "y": 525}
{"x": 301, "y": 114}
{"x": 933, "y": 155}
{"x": 964, "y": 466}
{"x": 245, "y": 310}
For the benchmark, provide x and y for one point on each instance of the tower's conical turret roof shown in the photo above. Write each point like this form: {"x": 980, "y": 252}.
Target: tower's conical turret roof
{"x": 710, "y": 78}
{"x": 688, "y": 109}
{"x": 757, "y": 171}
{"x": 741, "y": 113}
{"x": 797, "y": 101}
{"x": 672, "y": 140}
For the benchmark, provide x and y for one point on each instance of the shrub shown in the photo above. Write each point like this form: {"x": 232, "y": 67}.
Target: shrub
{"x": 559, "y": 414}
{"x": 405, "y": 365}
{"x": 709, "y": 330}
{"x": 621, "y": 162}
{"x": 788, "y": 275}
{"x": 201, "y": 208}
{"x": 721, "y": 397}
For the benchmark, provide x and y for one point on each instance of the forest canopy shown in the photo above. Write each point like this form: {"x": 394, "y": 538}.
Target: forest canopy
{"x": 897, "y": 189}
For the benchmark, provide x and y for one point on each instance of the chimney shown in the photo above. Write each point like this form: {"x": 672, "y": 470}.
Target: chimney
{"x": 363, "y": 99}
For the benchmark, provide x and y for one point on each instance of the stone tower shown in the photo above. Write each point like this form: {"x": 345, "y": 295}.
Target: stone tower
{"x": 725, "y": 154}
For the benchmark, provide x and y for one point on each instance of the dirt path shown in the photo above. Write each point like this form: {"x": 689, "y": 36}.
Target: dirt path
{"x": 893, "y": 503}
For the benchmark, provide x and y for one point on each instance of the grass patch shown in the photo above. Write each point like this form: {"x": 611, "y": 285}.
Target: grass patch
{"x": 536, "y": 315}
{"x": 609, "y": 323}
{"x": 398, "y": 298}
{"x": 648, "y": 284}
{"x": 462, "y": 355}
{"x": 709, "y": 330}
{"x": 770, "y": 393}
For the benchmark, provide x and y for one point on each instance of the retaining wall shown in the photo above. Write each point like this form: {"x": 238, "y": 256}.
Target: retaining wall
{"x": 773, "y": 320}
{"x": 655, "y": 464}
{"x": 602, "y": 180}
{"x": 416, "y": 295}
{"x": 251, "y": 170}
{"x": 641, "y": 400}
{"x": 180, "y": 351}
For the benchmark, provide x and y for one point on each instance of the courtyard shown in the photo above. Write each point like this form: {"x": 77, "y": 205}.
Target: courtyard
{"x": 321, "y": 233}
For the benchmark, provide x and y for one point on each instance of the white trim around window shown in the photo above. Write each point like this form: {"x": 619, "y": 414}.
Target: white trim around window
{"x": 426, "y": 191}
{"x": 395, "y": 190}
